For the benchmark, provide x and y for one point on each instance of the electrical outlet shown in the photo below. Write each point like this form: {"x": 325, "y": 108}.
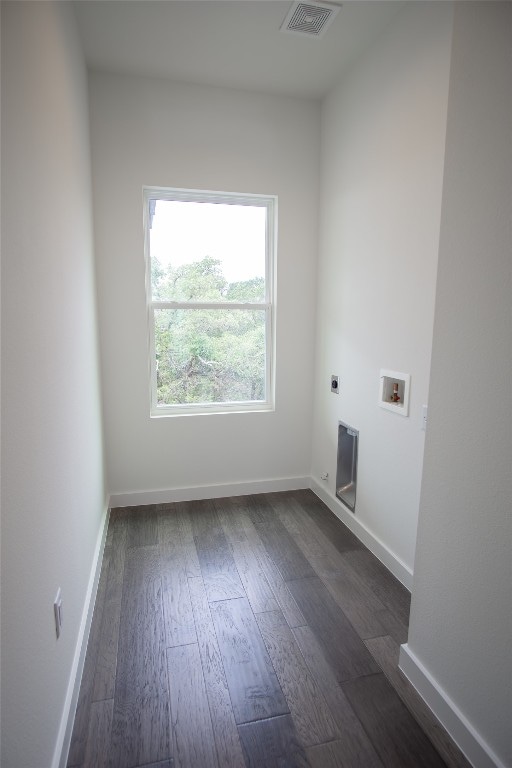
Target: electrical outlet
{"x": 335, "y": 385}
{"x": 57, "y": 612}
{"x": 324, "y": 476}
{"x": 424, "y": 414}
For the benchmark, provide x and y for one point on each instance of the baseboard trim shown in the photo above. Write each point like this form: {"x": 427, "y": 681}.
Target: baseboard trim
{"x": 393, "y": 563}
{"x": 60, "y": 756}
{"x": 197, "y": 492}
{"x": 467, "y": 738}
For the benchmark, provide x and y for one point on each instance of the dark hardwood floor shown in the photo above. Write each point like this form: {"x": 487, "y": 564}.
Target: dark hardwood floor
{"x": 252, "y": 631}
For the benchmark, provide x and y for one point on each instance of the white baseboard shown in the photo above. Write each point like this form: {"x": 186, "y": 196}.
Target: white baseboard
{"x": 194, "y": 493}
{"x": 393, "y": 563}
{"x": 467, "y": 738}
{"x": 61, "y": 752}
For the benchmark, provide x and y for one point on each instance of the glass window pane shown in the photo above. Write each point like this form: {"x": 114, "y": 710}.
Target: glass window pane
{"x": 210, "y": 356}
{"x": 207, "y": 251}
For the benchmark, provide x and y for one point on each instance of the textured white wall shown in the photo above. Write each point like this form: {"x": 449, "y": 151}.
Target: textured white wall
{"x": 52, "y": 477}
{"x": 461, "y": 616}
{"x": 153, "y": 132}
{"x": 383, "y": 132}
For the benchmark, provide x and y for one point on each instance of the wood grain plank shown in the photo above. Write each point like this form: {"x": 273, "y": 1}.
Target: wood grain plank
{"x": 336, "y": 531}
{"x": 229, "y": 750}
{"x": 143, "y": 529}
{"x": 253, "y": 686}
{"x": 194, "y": 745}
{"x": 385, "y": 651}
{"x": 110, "y": 529}
{"x": 375, "y": 576}
{"x": 312, "y": 718}
{"x": 253, "y": 578}
{"x": 245, "y": 544}
{"x": 397, "y": 738}
{"x": 218, "y": 567}
{"x": 169, "y": 532}
{"x": 239, "y": 528}
{"x": 179, "y": 618}
{"x": 393, "y": 626}
{"x": 232, "y": 513}
{"x": 97, "y": 751}
{"x": 116, "y": 513}
{"x": 105, "y": 673}
{"x": 82, "y": 715}
{"x": 178, "y": 559}
{"x": 176, "y": 537}
{"x": 320, "y": 552}
{"x": 187, "y": 538}
{"x": 248, "y": 566}
{"x": 272, "y": 744}
{"x": 359, "y": 604}
{"x": 279, "y": 544}
{"x": 344, "y": 649}
{"x": 140, "y": 727}
{"x": 164, "y": 764}
{"x": 354, "y": 746}
{"x": 204, "y": 519}
{"x": 331, "y": 755}
{"x": 284, "y": 597}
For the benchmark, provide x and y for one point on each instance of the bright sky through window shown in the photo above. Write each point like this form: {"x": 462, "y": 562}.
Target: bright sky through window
{"x": 186, "y": 232}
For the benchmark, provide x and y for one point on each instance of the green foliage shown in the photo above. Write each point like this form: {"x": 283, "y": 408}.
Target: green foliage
{"x": 205, "y": 355}
{"x": 249, "y": 290}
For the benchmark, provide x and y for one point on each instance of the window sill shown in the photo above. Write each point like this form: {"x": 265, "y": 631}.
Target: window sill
{"x": 214, "y": 410}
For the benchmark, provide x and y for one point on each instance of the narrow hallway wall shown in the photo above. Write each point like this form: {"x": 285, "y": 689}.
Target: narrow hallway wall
{"x": 53, "y": 498}
{"x": 383, "y": 135}
{"x": 460, "y": 637}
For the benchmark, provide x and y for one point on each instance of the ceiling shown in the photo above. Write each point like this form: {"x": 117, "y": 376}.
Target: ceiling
{"x": 230, "y": 43}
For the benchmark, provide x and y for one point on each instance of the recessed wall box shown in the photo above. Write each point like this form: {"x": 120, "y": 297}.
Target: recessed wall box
{"x": 57, "y": 610}
{"x": 346, "y": 469}
{"x": 394, "y": 391}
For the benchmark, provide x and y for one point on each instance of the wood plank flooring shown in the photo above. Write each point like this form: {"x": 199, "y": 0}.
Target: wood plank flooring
{"x": 252, "y": 631}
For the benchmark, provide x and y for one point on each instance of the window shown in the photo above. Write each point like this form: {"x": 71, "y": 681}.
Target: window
{"x": 209, "y": 282}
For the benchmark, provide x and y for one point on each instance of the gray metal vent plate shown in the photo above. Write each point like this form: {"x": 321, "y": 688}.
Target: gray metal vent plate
{"x": 309, "y": 18}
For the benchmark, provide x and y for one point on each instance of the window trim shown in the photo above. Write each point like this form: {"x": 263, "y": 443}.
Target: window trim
{"x": 268, "y": 305}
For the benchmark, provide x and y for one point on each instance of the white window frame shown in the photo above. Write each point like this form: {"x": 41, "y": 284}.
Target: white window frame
{"x": 269, "y": 202}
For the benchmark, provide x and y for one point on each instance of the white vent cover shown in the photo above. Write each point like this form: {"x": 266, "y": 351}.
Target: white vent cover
{"x": 309, "y": 18}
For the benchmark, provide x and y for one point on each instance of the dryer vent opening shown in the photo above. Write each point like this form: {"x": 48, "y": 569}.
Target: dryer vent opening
{"x": 346, "y": 468}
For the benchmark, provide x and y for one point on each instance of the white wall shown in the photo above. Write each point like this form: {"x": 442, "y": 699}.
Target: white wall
{"x": 383, "y": 132}
{"x": 52, "y": 477}
{"x": 154, "y": 132}
{"x": 461, "y": 616}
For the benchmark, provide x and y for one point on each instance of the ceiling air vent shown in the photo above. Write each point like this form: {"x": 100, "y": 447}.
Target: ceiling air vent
{"x": 309, "y": 18}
